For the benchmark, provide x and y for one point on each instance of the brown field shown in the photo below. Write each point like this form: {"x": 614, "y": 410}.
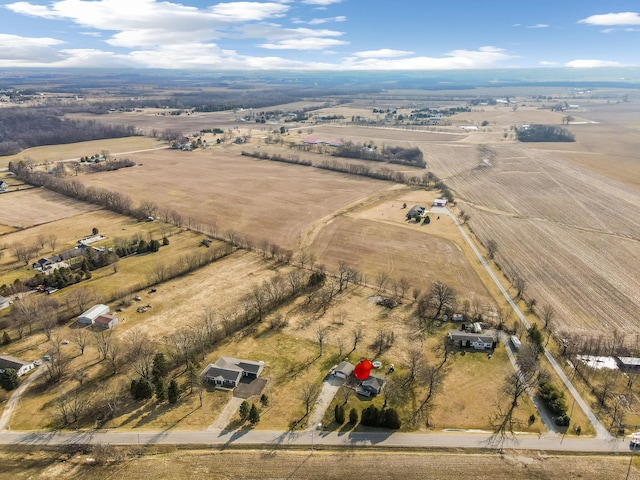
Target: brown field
{"x": 27, "y": 208}
{"x": 260, "y": 199}
{"x": 182, "y": 463}
{"x": 55, "y": 153}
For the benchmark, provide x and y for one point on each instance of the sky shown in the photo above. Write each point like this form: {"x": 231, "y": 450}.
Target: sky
{"x": 336, "y": 35}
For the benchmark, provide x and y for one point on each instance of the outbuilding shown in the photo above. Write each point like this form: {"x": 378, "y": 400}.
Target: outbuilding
{"x": 440, "y": 202}
{"x": 89, "y": 317}
{"x": 106, "y": 321}
{"x": 343, "y": 370}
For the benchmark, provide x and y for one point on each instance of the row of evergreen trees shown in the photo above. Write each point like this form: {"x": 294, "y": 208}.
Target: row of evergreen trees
{"x": 371, "y": 416}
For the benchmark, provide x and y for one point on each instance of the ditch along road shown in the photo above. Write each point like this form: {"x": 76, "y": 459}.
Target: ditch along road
{"x": 601, "y": 432}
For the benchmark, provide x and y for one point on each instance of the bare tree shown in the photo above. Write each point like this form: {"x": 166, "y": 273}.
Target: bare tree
{"x": 382, "y": 279}
{"x": 114, "y": 355}
{"x": 56, "y": 366}
{"x": 357, "y": 336}
{"x": 81, "y": 297}
{"x": 41, "y": 241}
{"x": 430, "y": 378}
{"x": 492, "y": 248}
{"x": 547, "y": 314}
{"x": 440, "y": 296}
{"x": 415, "y": 360}
{"x": 321, "y": 335}
{"x": 519, "y": 284}
{"x": 308, "y": 394}
{"x": 24, "y": 253}
{"x": 103, "y": 343}
{"x": 403, "y": 286}
{"x": 53, "y": 241}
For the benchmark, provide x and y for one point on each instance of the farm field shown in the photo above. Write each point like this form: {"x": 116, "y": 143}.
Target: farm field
{"x": 259, "y": 199}
{"x": 35, "y": 206}
{"x": 55, "y": 153}
{"x": 181, "y": 463}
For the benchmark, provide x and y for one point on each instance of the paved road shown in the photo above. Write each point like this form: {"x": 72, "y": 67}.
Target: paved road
{"x": 601, "y": 432}
{"x": 16, "y": 396}
{"x": 276, "y": 439}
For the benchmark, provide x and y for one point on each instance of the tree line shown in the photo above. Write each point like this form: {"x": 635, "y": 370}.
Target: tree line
{"x": 544, "y": 133}
{"x": 22, "y": 128}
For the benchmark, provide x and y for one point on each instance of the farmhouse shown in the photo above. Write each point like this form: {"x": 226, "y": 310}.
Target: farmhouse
{"x": 106, "y": 321}
{"x": 20, "y": 366}
{"x": 343, "y": 370}
{"x": 89, "y": 317}
{"x": 416, "y": 212}
{"x": 4, "y": 302}
{"x": 371, "y": 386}
{"x": 48, "y": 265}
{"x": 440, "y": 202}
{"x": 478, "y": 341}
{"x": 228, "y": 372}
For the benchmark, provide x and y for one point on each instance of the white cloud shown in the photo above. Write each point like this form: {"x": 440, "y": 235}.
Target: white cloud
{"x": 608, "y": 19}
{"x": 309, "y": 43}
{"x": 547, "y": 63}
{"x": 18, "y": 51}
{"x": 592, "y": 64}
{"x": 484, "y": 57}
{"x": 538, "y": 25}
{"x": 383, "y": 53}
{"x": 321, "y": 2}
{"x": 319, "y": 21}
{"x": 152, "y": 17}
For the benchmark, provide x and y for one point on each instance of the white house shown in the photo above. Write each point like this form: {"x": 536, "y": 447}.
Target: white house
{"x": 20, "y": 366}
{"x": 440, "y": 202}
{"x": 478, "y": 341}
{"x": 89, "y": 317}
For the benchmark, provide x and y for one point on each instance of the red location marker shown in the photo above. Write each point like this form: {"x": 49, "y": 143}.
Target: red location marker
{"x": 362, "y": 369}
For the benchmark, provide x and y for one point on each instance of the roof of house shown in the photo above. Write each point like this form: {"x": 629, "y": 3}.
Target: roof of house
{"x": 3, "y": 300}
{"x": 458, "y": 335}
{"x": 105, "y": 319}
{"x": 416, "y": 210}
{"x": 375, "y": 382}
{"x": 229, "y": 368}
{"x": 630, "y": 361}
{"x": 9, "y": 361}
{"x": 345, "y": 368}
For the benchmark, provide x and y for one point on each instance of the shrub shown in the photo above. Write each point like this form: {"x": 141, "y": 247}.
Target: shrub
{"x": 141, "y": 389}
{"x": 339, "y": 414}
{"x": 9, "y": 379}
{"x": 353, "y": 416}
{"x": 553, "y": 398}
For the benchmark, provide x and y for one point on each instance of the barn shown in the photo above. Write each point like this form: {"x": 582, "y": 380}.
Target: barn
{"x": 89, "y": 317}
{"x": 440, "y": 202}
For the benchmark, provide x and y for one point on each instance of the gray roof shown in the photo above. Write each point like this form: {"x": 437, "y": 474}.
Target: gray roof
{"x": 345, "y": 367}
{"x": 374, "y": 382}
{"x": 458, "y": 335}
{"x": 9, "y": 361}
{"x": 231, "y": 369}
{"x": 3, "y": 300}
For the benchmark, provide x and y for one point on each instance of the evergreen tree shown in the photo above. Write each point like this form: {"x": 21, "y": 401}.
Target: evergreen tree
{"x": 339, "y": 414}
{"x": 391, "y": 419}
{"x": 160, "y": 366}
{"x": 370, "y": 416}
{"x": 244, "y": 410}
{"x": 172, "y": 392}
{"x": 264, "y": 400}
{"x": 353, "y": 416}
{"x": 160, "y": 388}
{"x": 9, "y": 379}
{"x": 165, "y": 241}
{"x": 6, "y": 339}
{"x": 154, "y": 246}
{"x": 254, "y": 414}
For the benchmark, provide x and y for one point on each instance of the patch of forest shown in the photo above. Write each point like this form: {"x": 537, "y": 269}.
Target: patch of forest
{"x": 545, "y": 133}
{"x": 27, "y": 127}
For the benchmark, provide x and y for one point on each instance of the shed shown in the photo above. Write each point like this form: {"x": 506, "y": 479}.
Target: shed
{"x": 515, "y": 341}
{"x": 89, "y": 317}
{"x": 440, "y": 202}
{"x": 106, "y": 321}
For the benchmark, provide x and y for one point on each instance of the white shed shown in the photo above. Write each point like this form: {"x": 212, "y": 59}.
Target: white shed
{"x": 94, "y": 312}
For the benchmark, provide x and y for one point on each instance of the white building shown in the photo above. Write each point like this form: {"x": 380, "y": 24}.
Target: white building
{"x": 89, "y": 317}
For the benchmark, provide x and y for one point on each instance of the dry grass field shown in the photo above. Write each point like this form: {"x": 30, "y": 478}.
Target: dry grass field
{"x": 20, "y": 463}
{"x": 37, "y": 206}
{"x": 55, "y": 153}
{"x": 260, "y": 199}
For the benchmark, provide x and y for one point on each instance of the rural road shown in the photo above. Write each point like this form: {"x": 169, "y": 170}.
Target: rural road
{"x": 601, "y": 432}
{"x": 276, "y": 439}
